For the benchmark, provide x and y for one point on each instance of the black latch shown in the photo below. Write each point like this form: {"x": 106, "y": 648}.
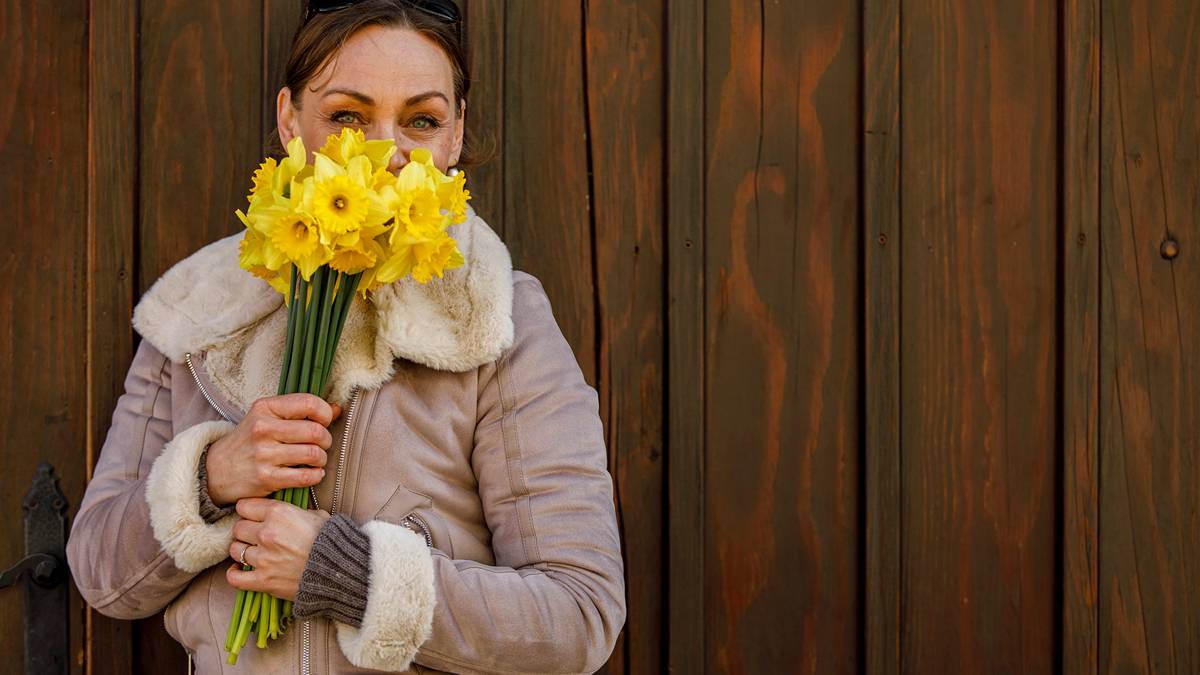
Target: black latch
{"x": 47, "y": 635}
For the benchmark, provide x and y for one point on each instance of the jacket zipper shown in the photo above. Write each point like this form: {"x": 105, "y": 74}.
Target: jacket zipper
{"x": 414, "y": 519}
{"x": 305, "y": 656}
{"x": 204, "y": 392}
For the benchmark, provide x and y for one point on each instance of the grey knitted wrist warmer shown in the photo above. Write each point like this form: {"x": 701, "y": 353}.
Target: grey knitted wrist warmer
{"x": 334, "y": 582}
{"x": 209, "y": 511}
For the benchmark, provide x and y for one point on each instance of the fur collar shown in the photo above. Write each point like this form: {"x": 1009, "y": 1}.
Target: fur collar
{"x": 207, "y": 303}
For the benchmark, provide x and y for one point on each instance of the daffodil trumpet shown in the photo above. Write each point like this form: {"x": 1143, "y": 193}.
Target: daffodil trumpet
{"x": 319, "y": 234}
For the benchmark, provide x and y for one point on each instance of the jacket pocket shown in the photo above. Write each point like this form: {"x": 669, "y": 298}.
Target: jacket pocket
{"x": 405, "y": 503}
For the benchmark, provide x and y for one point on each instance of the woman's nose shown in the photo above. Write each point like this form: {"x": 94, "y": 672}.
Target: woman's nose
{"x": 400, "y": 156}
{"x": 398, "y": 160}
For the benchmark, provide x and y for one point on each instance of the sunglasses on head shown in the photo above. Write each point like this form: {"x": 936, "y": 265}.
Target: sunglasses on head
{"x": 445, "y": 10}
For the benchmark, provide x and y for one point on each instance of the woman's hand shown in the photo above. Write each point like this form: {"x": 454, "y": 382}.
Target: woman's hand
{"x": 259, "y": 455}
{"x": 276, "y": 538}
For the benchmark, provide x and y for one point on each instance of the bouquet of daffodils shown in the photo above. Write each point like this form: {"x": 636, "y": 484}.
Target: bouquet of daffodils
{"x": 318, "y": 233}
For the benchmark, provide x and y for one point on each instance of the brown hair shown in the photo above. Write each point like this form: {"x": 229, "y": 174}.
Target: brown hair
{"x": 316, "y": 41}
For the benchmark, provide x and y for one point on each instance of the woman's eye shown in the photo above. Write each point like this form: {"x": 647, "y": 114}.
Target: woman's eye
{"x": 343, "y": 117}
{"x": 425, "y": 123}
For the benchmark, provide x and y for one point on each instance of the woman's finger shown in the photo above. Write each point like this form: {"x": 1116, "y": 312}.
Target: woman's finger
{"x": 295, "y": 431}
{"x": 297, "y": 407}
{"x": 240, "y": 551}
{"x": 286, "y": 477}
{"x": 291, "y": 454}
{"x": 257, "y": 508}
{"x": 246, "y": 531}
{"x": 243, "y": 579}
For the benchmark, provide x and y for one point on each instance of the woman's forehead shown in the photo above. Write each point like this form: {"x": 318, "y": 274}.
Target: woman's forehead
{"x": 388, "y": 65}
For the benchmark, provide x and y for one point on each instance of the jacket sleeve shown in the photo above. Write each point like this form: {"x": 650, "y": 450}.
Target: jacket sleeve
{"x": 554, "y": 602}
{"x": 138, "y": 537}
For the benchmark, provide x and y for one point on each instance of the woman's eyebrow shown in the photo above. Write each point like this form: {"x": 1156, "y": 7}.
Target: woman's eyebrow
{"x": 352, "y": 94}
{"x": 413, "y": 100}
{"x": 367, "y": 100}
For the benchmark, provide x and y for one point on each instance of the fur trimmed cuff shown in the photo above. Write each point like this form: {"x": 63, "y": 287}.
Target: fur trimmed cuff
{"x": 400, "y": 601}
{"x": 172, "y": 491}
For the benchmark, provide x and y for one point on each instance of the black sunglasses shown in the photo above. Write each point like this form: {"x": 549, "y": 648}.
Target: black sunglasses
{"x": 445, "y": 10}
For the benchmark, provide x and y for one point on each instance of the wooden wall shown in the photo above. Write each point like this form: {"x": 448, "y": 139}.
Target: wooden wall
{"x": 890, "y": 304}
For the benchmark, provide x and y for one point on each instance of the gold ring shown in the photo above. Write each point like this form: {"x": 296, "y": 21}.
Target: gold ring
{"x": 242, "y": 558}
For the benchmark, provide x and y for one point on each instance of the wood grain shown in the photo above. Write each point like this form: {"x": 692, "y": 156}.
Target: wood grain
{"x": 686, "y": 365}
{"x": 280, "y": 18}
{"x": 978, "y": 358}
{"x": 782, "y": 345}
{"x": 112, "y": 261}
{"x": 485, "y": 38}
{"x": 881, "y": 236}
{"x": 1149, "y": 393}
{"x": 43, "y": 269}
{"x": 625, "y": 82}
{"x": 548, "y": 223}
{"x": 201, "y": 113}
{"x": 1079, "y": 245}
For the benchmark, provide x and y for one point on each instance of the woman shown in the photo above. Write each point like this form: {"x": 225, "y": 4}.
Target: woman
{"x": 460, "y": 452}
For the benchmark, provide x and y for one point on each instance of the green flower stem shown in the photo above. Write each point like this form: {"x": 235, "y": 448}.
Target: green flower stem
{"x": 318, "y": 381}
{"x": 264, "y": 621}
{"x": 291, "y": 330}
{"x": 339, "y": 298}
{"x": 346, "y": 296}
{"x": 338, "y": 302}
{"x": 294, "y": 346}
{"x": 237, "y": 615}
{"x": 244, "y": 627}
{"x": 273, "y": 627}
{"x": 310, "y": 331}
{"x": 317, "y": 312}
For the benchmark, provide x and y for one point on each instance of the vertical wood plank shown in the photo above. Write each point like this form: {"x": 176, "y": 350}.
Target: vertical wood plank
{"x": 783, "y": 414}
{"x": 200, "y": 138}
{"x": 881, "y": 318}
{"x": 279, "y": 22}
{"x": 112, "y": 265}
{"x": 43, "y": 274}
{"x": 625, "y": 84}
{"x": 1080, "y": 247}
{"x": 1150, "y": 377}
{"x": 547, "y": 213}
{"x": 978, "y": 356}
{"x": 485, "y": 38}
{"x": 686, "y": 365}
{"x": 201, "y": 112}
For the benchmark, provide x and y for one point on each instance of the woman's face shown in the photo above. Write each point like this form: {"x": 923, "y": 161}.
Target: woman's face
{"x": 390, "y": 83}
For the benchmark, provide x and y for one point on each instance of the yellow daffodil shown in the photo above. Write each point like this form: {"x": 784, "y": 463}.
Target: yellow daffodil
{"x": 352, "y": 260}
{"x": 415, "y": 203}
{"x": 454, "y": 196}
{"x": 398, "y": 265}
{"x": 451, "y": 194}
{"x": 291, "y": 167}
{"x": 256, "y": 250}
{"x": 294, "y": 234}
{"x": 435, "y": 256}
{"x": 264, "y": 178}
{"x": 347, "y": 211}
{"x": 307, "y": 265}
{"x": 352, "y": 143}
{"x": 339, "y": 203}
